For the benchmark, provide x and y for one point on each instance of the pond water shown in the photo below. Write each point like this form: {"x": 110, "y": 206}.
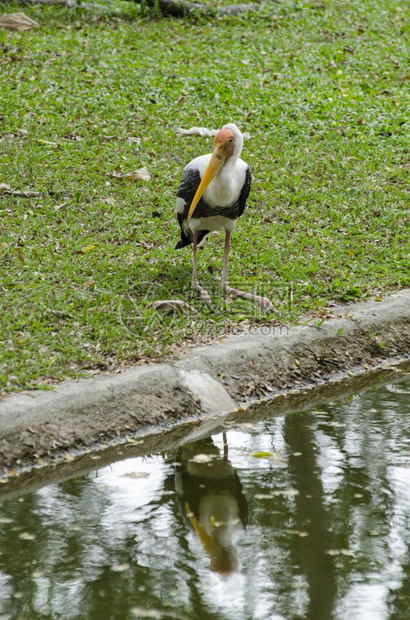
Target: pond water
{"x": 299, "y": 516}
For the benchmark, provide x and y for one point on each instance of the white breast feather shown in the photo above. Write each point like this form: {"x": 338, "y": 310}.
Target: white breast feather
{"x": 225, "y": 189}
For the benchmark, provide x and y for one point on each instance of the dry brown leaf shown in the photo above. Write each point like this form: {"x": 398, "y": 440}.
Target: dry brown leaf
{"x": 46, "y": 142}
{"x": 196, "y": 131}
{"x": 116, "y": 173}
{"x": 108, "y": 138}
{"x": 27, "y": 536}
{"x": 6, "y": 189}
{"x": 58, "y": 207}
{"x": 86, "y": 249}
{"x": 141, "y": 174}
{"x": 17, "y": 21}
{"x": 172, "y": 305}
{"x": 136, "y": 475}
{"x": 202, "y": 131}
{"x": 119, "y": 568}
{"x": 27, "y": 194}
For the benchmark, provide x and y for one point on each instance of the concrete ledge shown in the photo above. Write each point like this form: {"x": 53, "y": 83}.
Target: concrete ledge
{"x": 241, "y": 371}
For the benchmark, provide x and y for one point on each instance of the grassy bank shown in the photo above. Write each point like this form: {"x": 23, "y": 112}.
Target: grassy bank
{"x": 322, "y": 89}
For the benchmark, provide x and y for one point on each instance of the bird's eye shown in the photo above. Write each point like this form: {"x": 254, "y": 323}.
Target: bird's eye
{"x": 230, "y": 140}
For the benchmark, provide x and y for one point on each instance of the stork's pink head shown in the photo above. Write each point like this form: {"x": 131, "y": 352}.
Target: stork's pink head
{"x": 224, "y": 143}
{"x": 227, "y": 143}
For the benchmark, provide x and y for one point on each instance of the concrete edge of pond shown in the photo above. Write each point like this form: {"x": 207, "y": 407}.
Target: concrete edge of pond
{"x": 61, "y": 467}
{"x": 210, "y": 380}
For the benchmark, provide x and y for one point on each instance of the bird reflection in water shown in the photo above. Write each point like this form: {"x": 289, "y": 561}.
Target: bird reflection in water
{"x": 211, "y": 498}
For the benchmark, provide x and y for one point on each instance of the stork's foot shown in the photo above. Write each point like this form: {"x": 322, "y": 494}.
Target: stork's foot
{"x": 264, "y": 303}
{"x": 203, "y": 293}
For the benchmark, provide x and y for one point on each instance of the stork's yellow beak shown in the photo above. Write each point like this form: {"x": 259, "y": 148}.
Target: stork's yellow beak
{"x": 216, "y": 162}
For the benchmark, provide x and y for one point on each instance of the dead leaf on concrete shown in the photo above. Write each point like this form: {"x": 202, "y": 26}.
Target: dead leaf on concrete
{"x": 17, "y": 21}
{"x": 141, "y": 174}
{"x": 172, "y": 305}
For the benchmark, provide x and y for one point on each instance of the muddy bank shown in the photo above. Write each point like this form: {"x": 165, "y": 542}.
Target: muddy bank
{"x": 219, "y": 379}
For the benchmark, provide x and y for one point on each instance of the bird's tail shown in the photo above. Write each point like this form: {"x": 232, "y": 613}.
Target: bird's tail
{"x": 182, "y": 243}
{"x": 187, "y": 240}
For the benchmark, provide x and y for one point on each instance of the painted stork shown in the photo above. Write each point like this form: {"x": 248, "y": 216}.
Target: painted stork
{"x": 212, "y": 195}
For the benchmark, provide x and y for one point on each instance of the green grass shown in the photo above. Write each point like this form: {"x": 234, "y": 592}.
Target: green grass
{"x": 323, "y": 91}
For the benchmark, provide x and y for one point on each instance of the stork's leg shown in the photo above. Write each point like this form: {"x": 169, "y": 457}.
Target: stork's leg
{"x": 202, "y": 292}
{"x": 264, "y": 302}
{"x": 225, "y": 440}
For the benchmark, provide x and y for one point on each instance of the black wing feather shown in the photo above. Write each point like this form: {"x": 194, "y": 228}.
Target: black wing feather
{"x": 187, "y": 190}
{"x": 188, "y": 186}
{"x": 243, "y": 197}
